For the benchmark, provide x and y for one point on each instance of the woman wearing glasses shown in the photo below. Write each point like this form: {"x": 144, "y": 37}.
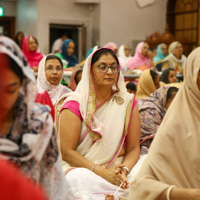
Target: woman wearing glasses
{"x": 49, "y": 77}
{"x": 96, "y": 122}
{"x": 175, "y": 59}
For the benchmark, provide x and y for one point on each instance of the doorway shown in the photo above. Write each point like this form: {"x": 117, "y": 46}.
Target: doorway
{"x": 7, "y": 27}
{"x": 72, "y": 32}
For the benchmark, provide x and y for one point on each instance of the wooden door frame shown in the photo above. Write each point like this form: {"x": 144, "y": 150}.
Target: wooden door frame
{"x": 12, "y": 21}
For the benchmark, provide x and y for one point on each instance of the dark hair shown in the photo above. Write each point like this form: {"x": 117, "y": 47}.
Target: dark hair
{"x": 16, "y": 37}
{"x": 16, "y": 68}
{"x": 49, "y": 57}
{"x": 101, "y": 52}
{"x": 131, "y": 86}
{"x": 76, "y": 75}
{"x": 153, "y": 75}
{"x": 165, "y": 73}
{"x": 171, "y": 93}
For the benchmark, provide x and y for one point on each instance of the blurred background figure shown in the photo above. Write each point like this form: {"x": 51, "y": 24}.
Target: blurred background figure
{"x": 111, "y": 45}
{"x": 131, "y": 88}
{"x": 124, "y": 55}
{"x": 58, "y": 44}
{"x": 168, "y": 76}
{"x": 161, "y": 53}
{"x": 75, "y": 79}
{"x": 66, "y": 55}
{"x": 29, "y": 47}
{"x": 175, "y": 59}
{"x": 19, "y": 38}
{"x": 140, "y": 59}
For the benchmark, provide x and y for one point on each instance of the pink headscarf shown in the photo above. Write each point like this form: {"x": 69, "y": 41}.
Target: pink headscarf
{"x": 110, "y": 45}
{"x": 138, "y": 59}
{"x": 33, "y": 57}
{"x": 72, "y": 84}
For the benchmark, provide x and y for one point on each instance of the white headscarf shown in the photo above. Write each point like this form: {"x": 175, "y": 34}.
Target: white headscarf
{"x": 181, "y": 61}
{"x": 55, "y": 92}
{"x": 97, "y": 126}
{"x": 122, "y": 57}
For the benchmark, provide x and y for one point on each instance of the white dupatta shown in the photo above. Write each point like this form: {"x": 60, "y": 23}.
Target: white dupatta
{"x": 104, "y": 128}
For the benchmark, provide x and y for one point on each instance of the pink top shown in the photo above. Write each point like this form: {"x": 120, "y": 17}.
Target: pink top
{"x": 74, "y": 107}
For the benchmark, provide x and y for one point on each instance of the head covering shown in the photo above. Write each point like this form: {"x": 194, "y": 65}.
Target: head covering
{"x": 55, "y": 92}
{"x": 146, "y": 85}
{"x": 31, "y": 143}
{"x": 159, "y": 54}
{"x": 138, "y": 59}
{"x": 33, "y": 57}
{"x": 174, "y": 158}
{"x": 181, "y": 61}
{"x": 111, "y": 45}
{"x": 122, "y": 57}
{"x": 152, "y": 111}
{"x": 91, "y": 50}
{"x": 72, "y": 60}
{"x": 96, "y": 120}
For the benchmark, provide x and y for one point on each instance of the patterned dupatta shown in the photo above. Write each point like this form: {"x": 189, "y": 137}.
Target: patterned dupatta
{"x": 31, "y": 144}
{"x": 104, "y": 128}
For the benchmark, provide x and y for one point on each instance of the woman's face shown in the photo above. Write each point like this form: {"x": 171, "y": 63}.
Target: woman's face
{"x": 104, "y": 79}
{"x": 172, "y": 76}
{"x": 70, "y": 48}
{"x": 20, "y": 37}
{"x": 127, "y": 51}
{"x": 164, "y": 49}
{"x": 178, "y": 50}
{"x": 10, "y": 85}
{"x": 157, "y": 82}
{"x": 53, "y": 71}
{"x": 32, "y": 44}
{"x": 145, "y": 49}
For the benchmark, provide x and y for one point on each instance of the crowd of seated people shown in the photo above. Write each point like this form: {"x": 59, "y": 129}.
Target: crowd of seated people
{"x": 100, "y": 132}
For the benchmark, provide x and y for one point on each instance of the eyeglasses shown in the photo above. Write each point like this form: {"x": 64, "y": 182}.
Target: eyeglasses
{"x": 179, "y": 47}
{"x": 51, "y": 69}
{"x": 103, "y": 68}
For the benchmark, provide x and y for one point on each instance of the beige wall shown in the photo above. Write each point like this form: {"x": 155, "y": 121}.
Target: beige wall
{"x": 27, "y": 17}
{"x": 9, "y": 8}
{"x": 123, "y": 21}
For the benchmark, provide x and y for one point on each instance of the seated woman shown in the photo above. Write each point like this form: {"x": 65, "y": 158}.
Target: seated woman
{"x": 149, "y": 82}
{"x": 124, "y": 55}
{"x": 75, "y": 79}
{"x": 67, "y": 57}
{"x": 152, "y": 111}
{"x": 171, "y": 169}
{"x": 27, "y": 136}
{"x": 168, "y": 76}
{"x": 161, "y": 53}
{"x": 140, "y": 59}
{"x": 111, "y": 45}
{"x": 29, "y": 48}
{"x": 95, "y": 122}
{"x": 19, "y": 39}
{"x": 175, "y": 59}
{"x": 49, "y": 77}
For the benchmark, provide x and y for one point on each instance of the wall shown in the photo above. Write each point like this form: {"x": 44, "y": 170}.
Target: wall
{"x": 123, "y": 21}
{"x": 9, "y": 8}
{"x": 59, "y": 12}
{"x": 27, "y": 17}
{"x": 96, "y": 25}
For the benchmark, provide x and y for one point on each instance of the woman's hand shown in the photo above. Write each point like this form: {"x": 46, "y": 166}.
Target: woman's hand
{"x": 123, "y": 172}
{"x": 111, "y": 176}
